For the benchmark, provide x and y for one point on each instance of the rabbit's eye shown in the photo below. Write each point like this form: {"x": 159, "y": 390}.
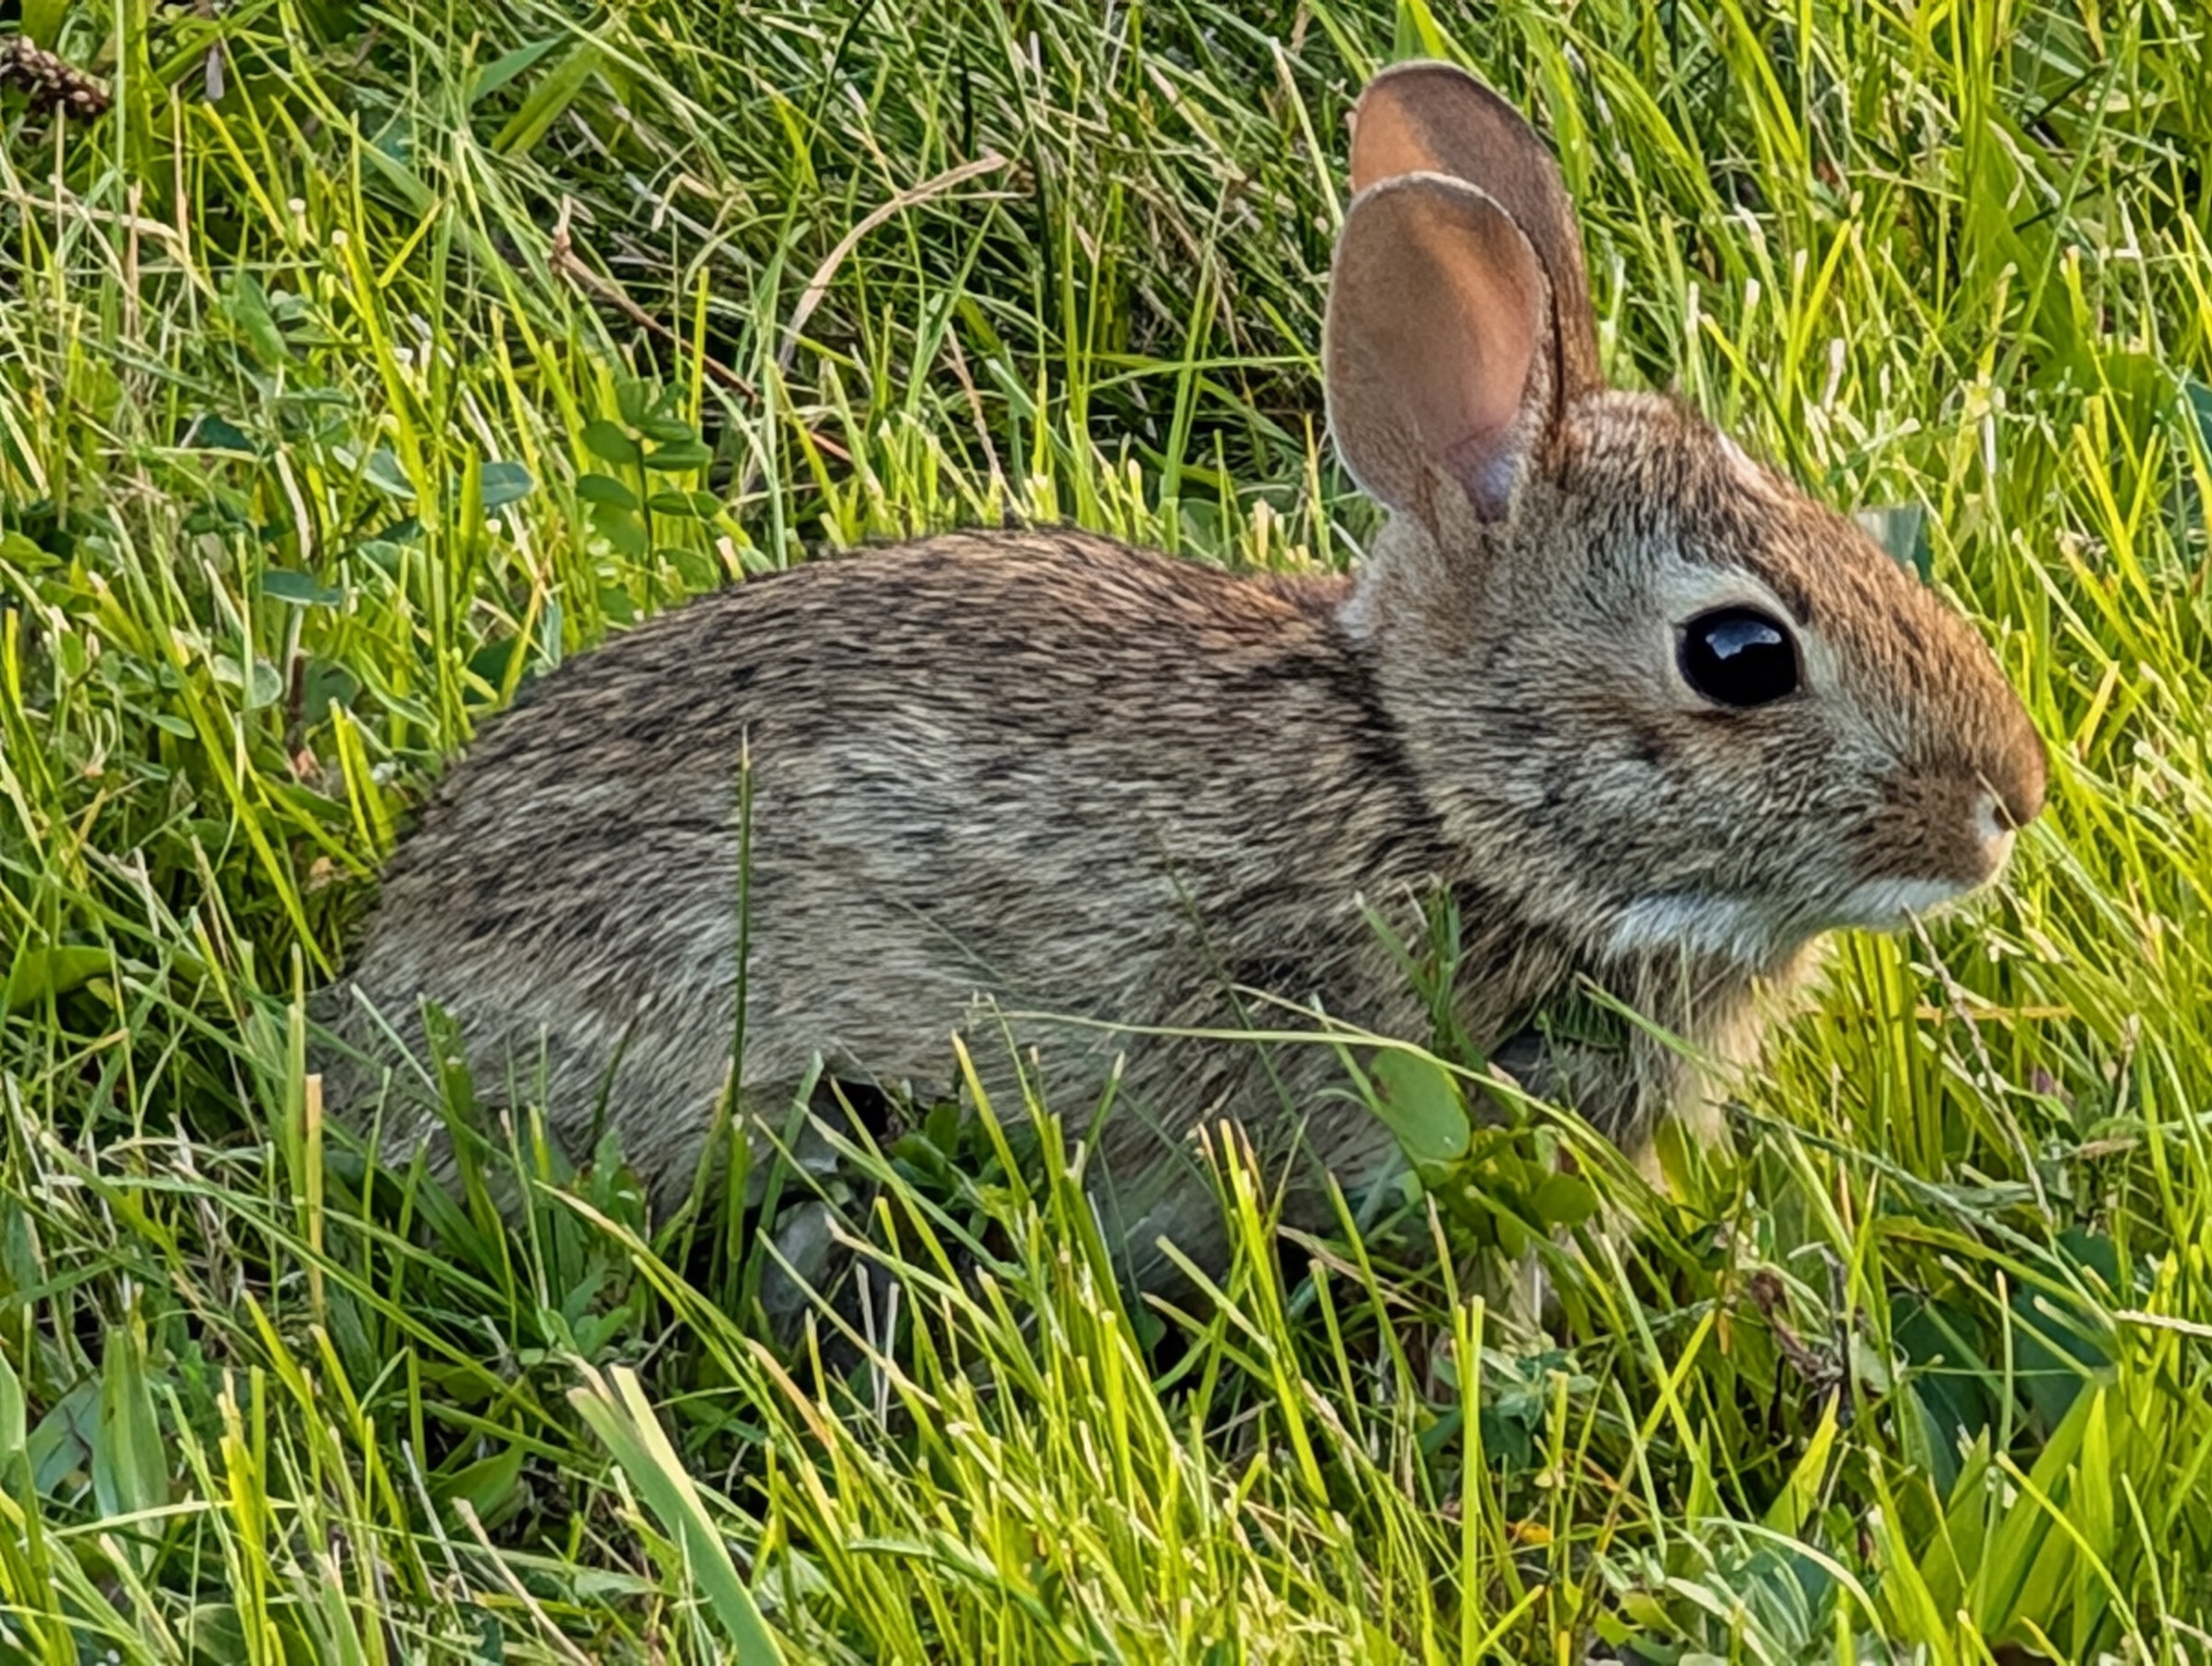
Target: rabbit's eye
{"x": 1735, "y": 656}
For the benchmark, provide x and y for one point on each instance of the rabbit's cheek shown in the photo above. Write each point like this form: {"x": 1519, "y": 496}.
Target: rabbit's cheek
{"x": 1950, "y": 845}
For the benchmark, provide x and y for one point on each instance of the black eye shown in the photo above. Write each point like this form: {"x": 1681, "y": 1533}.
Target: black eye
{"x": 1736, "y": 657}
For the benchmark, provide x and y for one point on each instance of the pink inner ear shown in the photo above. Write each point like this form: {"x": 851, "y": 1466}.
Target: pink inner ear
{"x": 1437, "y": 315}
{"x": 1472, "y": 380}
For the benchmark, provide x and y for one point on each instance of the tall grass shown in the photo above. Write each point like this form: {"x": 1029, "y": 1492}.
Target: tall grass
{"x": 362, "y": 363}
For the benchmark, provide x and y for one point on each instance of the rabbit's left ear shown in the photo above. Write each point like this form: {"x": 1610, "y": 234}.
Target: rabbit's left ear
{"x": 1434, "y": 118}
{"x": 1438, "y": 347}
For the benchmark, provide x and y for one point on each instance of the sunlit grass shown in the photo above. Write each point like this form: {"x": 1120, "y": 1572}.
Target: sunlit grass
{"x": 443, "y": 342}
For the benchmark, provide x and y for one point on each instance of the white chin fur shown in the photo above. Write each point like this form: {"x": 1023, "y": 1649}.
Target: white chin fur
{"x": 1727, "y": 926}
{"x": 1884, "y": 904}
{"x": 1739, "y": 929}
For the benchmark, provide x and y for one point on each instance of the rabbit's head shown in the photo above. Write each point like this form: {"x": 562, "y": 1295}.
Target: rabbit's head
{"x": 1667, "y": 701}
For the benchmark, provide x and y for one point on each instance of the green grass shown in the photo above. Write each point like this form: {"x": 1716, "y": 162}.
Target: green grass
{"x": 317, "y": 438}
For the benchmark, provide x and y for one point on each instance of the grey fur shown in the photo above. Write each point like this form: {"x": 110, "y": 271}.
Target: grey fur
{"x": 1069, "y": 778}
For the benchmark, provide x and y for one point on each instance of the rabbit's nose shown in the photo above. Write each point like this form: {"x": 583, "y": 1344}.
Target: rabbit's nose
{"x": 2013, "y": 774}
{"x": 2024, "y": 803}
{"x": 1995, "y": 826}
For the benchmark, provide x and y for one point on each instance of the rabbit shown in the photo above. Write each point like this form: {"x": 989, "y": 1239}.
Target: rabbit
{"x": 1646, "y": 714}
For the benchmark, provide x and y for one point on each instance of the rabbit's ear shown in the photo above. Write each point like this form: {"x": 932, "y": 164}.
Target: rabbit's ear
{"x": 1438, "y": 345}
{"x": 1432, "y": 118}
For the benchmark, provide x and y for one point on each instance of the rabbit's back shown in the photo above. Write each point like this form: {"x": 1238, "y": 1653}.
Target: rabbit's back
{"x": 1042, "y": 768}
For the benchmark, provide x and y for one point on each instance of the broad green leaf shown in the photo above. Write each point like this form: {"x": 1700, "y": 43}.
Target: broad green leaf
{"x": 1422, "y": 1104}
{"x": 505, "y": 483}
{"x": 2054, "y": 1355}
{"x": 487, "y": 1484}
{"x": 607, "y": 442}
{"x": 301, "y": 589}
{"x": 620, "y": 528}
{"x": 60, "y": 1442}
{"x": 681, "y": 454}
{"x": 211, "y": 433}
{"x": 696, "y": 567}
{"x": 634, "y": 397}
{"x": 604, "y": 489}
{"x": 55, "y": 970}
{"x": 692, "y": 506}
{"x": 1564, "y": 1201}
{"x": 42, "y": 21}
{"x": 382, "y": 469}
{"x": 386, "y": 163}
{"x": 258, "y": 683}
{"x": 24, "y": 556}
{"x": 247, "y": 304}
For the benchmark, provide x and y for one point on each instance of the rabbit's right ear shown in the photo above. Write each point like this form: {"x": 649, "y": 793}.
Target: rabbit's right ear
{"x": 1439, "y": 347}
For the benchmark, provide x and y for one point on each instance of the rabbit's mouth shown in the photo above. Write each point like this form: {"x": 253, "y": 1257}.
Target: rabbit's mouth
{"x": 1950, "y": 867}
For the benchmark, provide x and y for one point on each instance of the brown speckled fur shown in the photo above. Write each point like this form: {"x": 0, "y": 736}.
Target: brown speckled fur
{"x": 1080, "y": 780}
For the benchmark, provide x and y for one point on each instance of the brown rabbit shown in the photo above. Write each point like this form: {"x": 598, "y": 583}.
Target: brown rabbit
{"x": 1645, "y": 713}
